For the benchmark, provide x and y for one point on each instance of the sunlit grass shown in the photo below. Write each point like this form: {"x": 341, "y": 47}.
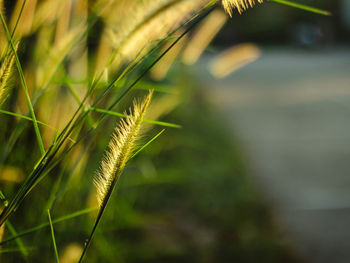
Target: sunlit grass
{"x": 79, "y": 66}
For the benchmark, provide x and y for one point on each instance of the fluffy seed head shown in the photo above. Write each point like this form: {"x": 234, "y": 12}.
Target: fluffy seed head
{"x": 240, "y": 5}
{"x": 5, "y": 72}
{"x": 135, "y": 26}
{"x": 120, "y": 149}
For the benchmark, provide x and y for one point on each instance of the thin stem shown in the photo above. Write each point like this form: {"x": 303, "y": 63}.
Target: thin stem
{"x": 53, "y": 236}
{"x": 24, "y": 85}
{"x": 19, "y": 242}
{"x": 98, "y": 219}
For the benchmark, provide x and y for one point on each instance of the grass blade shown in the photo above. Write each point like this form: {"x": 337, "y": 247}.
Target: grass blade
{"x": 24, "y": 85}
{"x": 12, "y": 250}
{"x": 148, "y": 143}
{"x": 303, "y": 7}
{"x": 2, "y": 197}
{"x": 19, "y": 242}
{"x": 30, "y": 119}
{"x": 118, "y": 114}
{"x": 43, "y": 225}
{"x": 25, "y": 118}
{"x": 53, "y": 236}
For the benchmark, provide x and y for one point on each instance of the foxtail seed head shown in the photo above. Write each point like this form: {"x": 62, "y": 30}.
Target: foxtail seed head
{"x": 240, "y": 5}
{"x": 5, "y": 72}
{"x": 120, "y": 149}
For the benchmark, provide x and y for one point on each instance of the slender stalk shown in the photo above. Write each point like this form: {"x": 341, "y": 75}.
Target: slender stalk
{"x": 98, "y": 219}
{"x": 19, "y": 242}
{"x": 24, "y": 86}
{"x": 18, "y": 18}
{"x": 53, "y": 236}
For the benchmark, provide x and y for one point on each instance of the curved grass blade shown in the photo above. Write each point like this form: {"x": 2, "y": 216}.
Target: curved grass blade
{"x": 303, "y": 7}
{"x": 25, "y": 118}
{"x": 30, "y": 119}
{"x": 43, "y": 225}
{"x": 117, "y": 114}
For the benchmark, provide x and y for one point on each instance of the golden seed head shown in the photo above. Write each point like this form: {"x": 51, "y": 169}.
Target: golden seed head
{"x": 120, "y": 148}
{"x": 240, "y": 5}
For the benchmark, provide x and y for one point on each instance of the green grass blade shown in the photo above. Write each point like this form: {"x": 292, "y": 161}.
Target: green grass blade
{"x": 148, "y": 143}
{"x": 30, "y": 119}
{"x": 303, "y": 7}
{"x": 19, "y": 242}
{"x": 12, "y": 250}
{"x": 2, "y": 197}
{"x": 79, "y": 102}
{"x": 25, "y": 118}
{"x": 118, "y": 114}
{"x": 167, "y": 89}
{"x": 24, "y": 85}
{"x": 162, "y": 123}
{"x": 18, "y": 18}
{"x": 53, "y": 236}
{"x": 43, "y": 225}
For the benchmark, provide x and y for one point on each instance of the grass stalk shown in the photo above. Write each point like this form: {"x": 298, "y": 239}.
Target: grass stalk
{"x": 19, "y": 242}
{"x": 53, "y": 237}
{"x": 24, "y": 86}
{"x": 120, "y": 150}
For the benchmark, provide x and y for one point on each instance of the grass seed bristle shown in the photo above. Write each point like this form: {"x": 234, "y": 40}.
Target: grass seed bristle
{"x": 240, "y": 5}
{"x": 5, "y": 73}
{"x": 120, "y": 148}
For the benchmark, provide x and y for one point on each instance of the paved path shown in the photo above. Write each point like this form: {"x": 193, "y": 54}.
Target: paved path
{"x": 291, "y": 111}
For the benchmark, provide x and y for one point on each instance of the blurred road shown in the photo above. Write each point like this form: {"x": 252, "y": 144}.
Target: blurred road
{"x": 291, "y": 111}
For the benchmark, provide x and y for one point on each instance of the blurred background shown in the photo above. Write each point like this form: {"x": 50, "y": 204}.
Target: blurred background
{"x": 289, "y": 109}
{"x": 258, "y": 171}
